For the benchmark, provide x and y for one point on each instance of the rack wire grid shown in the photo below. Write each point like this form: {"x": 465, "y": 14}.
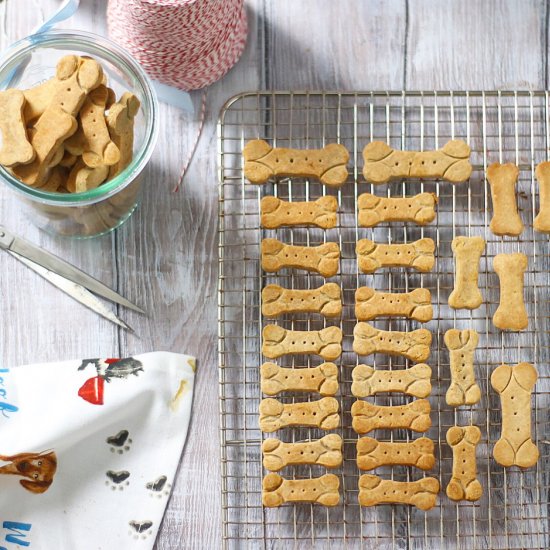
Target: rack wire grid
{"x": 500, "y": 127}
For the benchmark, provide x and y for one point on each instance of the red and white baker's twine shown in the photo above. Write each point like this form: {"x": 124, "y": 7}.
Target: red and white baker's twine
{"x": 188, "y": 44}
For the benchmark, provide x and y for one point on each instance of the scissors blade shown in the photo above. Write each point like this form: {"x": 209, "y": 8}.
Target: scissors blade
{"x": 79, "y": 293}
{"x": 53, "y": 263}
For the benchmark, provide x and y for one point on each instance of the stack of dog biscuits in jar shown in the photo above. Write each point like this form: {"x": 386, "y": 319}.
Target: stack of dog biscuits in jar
{"x": 283, "y": 410}
{"x": 68, "y": 134}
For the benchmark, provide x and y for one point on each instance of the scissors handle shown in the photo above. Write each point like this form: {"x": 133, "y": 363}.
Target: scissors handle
{"x": 6, "y": 238}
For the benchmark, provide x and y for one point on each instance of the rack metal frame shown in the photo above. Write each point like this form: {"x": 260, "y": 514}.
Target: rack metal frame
{"x": 500, "y": 127}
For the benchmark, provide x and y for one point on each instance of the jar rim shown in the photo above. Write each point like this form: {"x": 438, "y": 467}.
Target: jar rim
{"x": 107, "y": 49}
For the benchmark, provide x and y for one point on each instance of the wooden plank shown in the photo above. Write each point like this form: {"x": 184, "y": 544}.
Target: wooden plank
{"x": 326, "y": 45}
{"x": 475, "y": 45}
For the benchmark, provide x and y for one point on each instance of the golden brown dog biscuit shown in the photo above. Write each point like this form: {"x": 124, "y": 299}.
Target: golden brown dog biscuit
{"x": 413, "y": 381}
{"x": 56, "y": 180}
{"x": 322, "y": 379}
{"x": 515, "y": 385}
{"x": 418, "y": 254}
{"x": 412, "y": 416}
{"x": 322, "y": 414}
{"x": 82, "y": 178}
{"x": 467, "y": 252}
{"x": 52, "y": 129}
{"x": 542, "y": 219}
{"x": 323, "y": 259}
{"x": 120, "y": 122}
{"x": 276, "y": 213}
{"x": 511, "y": 313}
{"x": 463, "y": 389}
{"x": 75, "y": 78}
{"x": 263, "y": 162}
{"x": 464, "y": 484}
{"x": 421, "y": 493}
{"x": 372, "y": 453}
{"x": 16, "y": 148}
{"x": 414, "y": 345}
{"x": 326, "y": 300}
{"x": 68, "y": 160}
{"x": 58, "y": 157}
{"x": 92, "y": 140}
{"x": 326, "y": 451}
{"x": 450, "y": 163}
{"x": 38, "y": 99}
{"x": 502, "y": 179}
{"x": 416, "y": 305}
{"x": 319, "y": 490}
{"x": 419, "y": 209}
{"x": 278, "y": 341}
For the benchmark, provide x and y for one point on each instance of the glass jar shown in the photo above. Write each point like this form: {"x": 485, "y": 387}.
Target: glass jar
{"x": 33, "y": 60}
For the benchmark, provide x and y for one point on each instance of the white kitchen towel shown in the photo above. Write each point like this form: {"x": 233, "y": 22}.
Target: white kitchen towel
{"x": 89, "y": 450}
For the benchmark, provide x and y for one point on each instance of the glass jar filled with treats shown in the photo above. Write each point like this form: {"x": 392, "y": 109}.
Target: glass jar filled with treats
{"x": 78, "y": 118}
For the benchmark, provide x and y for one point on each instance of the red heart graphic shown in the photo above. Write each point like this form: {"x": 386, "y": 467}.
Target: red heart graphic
{"x": 92, "y": 390}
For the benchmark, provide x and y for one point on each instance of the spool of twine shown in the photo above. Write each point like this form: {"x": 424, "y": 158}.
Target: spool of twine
{"x": 188, "y": 44}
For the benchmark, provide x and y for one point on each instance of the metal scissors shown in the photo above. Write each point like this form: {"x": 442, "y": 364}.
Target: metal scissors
{"x": 65, "y": 276}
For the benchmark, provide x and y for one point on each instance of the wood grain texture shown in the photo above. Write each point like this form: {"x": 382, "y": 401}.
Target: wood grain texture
{"x": 165, "y": 257}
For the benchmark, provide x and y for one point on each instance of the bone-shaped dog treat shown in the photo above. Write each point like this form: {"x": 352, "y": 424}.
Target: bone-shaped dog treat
{"x": 16, "y": 148}
{"x": 450, "y": 163}
{"x": 515, "y": 385}
{"x": 319, "y": 490}
{"x": 278, "y": 341}
{"x": 276, "y": 212}
{"x": 414, "y": 345}
{"x": 263, "y": 162}
{"x": 322, "y": 379}
{"x": 326, "y": 451}
{"x": 464, "y": 484}
{"x": 502, "y": 179}
{"x": 82, "y": 178}
{"x": 416, "y": 305}
{"x": 467, "y": 252}
{"x": 412, "y": 416}
{"x": 421, "y": 493}
{"x": 92, "y": 139}
{"x": 120, "y": 121}
{"x": 413, "y": 381}
{"x": 322, "y": 259}
{"x": 373, "y": 210}
{"x": 75, "y": 78}
{"x": 326, "y": 300}
{"x": 511, "y": 313}
{"x": 418, "y": 254}
{"x": 52, "y": 129}
{"x": 542, "y": 219}
{"x": 275, "y": 415}
{"x": 55, "y": 181}
{"x": 463, "y": 389}
{"x": 58, "y": 157}
{"x": 372, "y": 453}
{"x": 38, "y": 99}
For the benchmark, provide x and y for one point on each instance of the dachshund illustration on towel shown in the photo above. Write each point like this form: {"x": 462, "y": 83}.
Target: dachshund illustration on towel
{"x": 38, "y": 469}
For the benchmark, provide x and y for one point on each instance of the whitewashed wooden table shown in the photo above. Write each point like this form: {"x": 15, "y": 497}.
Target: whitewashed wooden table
{"x": 165, "y": 257}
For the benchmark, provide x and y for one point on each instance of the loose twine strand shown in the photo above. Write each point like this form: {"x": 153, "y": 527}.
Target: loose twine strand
{"x": 188, "y": 44}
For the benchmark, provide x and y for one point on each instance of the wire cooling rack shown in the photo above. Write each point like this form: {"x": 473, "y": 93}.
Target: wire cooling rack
{"x": 499, "y": 126}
